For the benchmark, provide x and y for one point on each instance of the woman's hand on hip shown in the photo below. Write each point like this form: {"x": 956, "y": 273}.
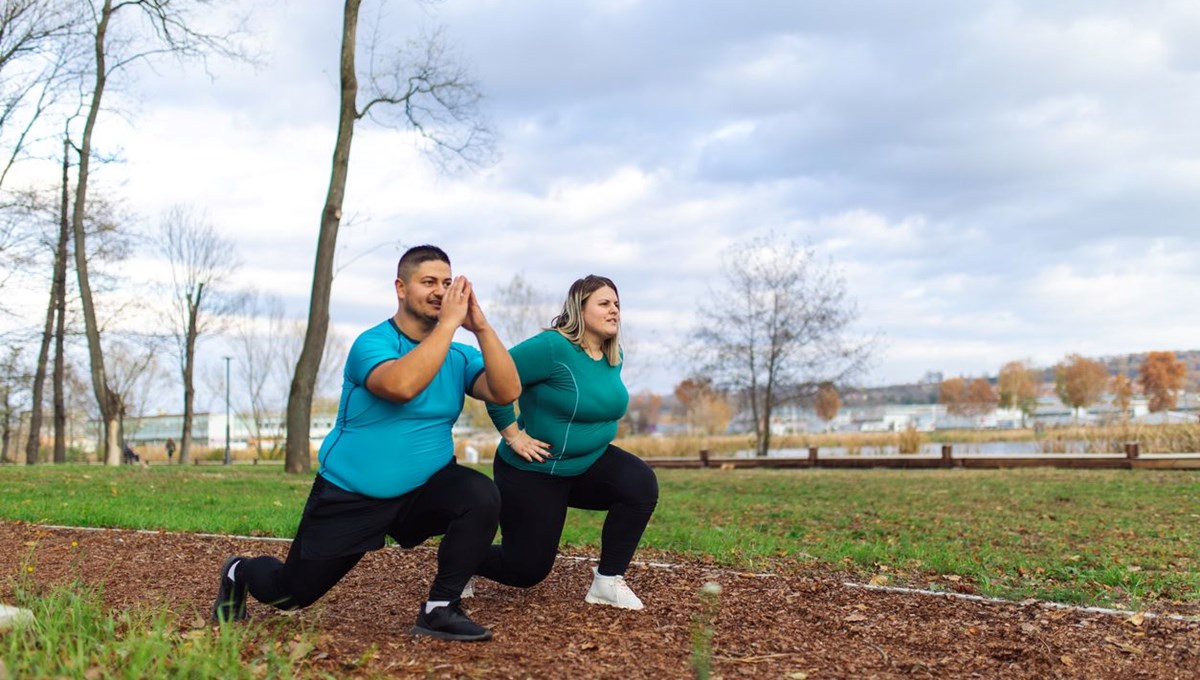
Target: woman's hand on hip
{"x": 527, "y": 447}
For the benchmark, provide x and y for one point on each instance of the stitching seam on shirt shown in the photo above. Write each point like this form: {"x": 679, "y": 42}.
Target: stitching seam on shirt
{"x": 567, "y": 433}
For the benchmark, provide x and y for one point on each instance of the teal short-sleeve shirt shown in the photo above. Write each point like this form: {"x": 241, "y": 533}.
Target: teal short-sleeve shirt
{"x": 383, "y": 448}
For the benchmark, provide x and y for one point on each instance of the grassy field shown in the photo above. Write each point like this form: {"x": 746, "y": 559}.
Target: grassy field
{"x": 1106, "y": 537}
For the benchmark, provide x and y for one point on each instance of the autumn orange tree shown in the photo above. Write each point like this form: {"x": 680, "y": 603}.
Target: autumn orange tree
{"x": 952, "y": 394}
{"x": 1017, "y": 385}
{"x": 1079, "y": 381}
{"x": 1162, "y": 377}
{"x": 642, "y": 415}
{"x": 1122, "y": 393}
{"x": 827, "y": 402}
{"x": 980, "y": 397}
{"x": 704, "y": 408}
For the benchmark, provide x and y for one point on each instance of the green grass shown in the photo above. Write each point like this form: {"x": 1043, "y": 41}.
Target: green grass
{"x": 73, "y": 635}
{"x": 1105, "y": 537}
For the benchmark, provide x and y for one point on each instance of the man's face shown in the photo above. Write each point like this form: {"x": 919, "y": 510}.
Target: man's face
{"x": 422, "y": 293}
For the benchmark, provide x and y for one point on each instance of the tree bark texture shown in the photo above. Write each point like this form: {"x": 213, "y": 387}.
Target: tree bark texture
{"x": 300, "y": 397}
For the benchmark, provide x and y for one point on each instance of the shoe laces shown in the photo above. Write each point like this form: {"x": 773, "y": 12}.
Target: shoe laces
{"x": 619, "y": 583}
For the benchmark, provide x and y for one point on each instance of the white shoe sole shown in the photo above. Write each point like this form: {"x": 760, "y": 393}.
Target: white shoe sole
{"x": 592, "y": 599}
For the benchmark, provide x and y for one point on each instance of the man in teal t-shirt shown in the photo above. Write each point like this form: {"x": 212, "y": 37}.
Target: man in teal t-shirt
{"x": 387, "y": 467}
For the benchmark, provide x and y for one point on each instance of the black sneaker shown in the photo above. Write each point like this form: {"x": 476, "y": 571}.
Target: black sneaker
{"x": 449, "y": 623}
{"x": 230, "y": 604}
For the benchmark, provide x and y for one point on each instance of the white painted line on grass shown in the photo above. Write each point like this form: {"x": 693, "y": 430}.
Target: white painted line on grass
{"x": 1125, "y": 613}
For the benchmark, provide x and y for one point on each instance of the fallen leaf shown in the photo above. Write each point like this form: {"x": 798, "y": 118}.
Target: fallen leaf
{"x": 299, "y": 650}
{"x": 797, "y": 676}
{"x": 1136, "y": 619}
{"x": 879, "y": 580}
{"x": 1067, "y": 661}
{"x": 1124, "y": 647}
{"x": 855, "y": 618}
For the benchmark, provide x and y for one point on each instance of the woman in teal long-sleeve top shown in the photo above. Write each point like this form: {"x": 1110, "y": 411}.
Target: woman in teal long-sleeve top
{"x": 558, "y": 452}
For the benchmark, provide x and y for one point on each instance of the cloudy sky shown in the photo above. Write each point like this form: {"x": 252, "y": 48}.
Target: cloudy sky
{"x": 997, "y": 180}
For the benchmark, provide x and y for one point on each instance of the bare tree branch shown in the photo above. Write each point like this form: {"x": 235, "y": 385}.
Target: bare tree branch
{"x": 776, "y": 328}
{"x": 428, "y": 94}
{"x": 201, "y": 261}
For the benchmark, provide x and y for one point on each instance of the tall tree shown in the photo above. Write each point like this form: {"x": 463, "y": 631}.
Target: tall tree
{"x": 201, "y": 262}
{"x": 13, "y": 379}
{"x": 54, "y": 313}
{"x": 422, "y": 90}
{"x": 134, "y": 368}
{"x": 1162, "y": 377}
{"x": 259, "y": 336}
{"x": 1018, "y": 387}
{"x": 776, "y": 327}
{"x": 154, "y": 27}
{"x": 1080, "y": 381}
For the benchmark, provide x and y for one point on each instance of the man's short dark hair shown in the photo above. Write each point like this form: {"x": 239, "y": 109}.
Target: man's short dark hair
{"x": 416, "y": 256}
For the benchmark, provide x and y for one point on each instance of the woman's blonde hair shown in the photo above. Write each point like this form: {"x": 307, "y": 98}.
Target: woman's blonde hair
{"x": 569, "y": 321}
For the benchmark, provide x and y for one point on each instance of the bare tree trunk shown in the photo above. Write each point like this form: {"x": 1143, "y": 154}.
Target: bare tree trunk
{"x": 764, "y": 441}
{"x": 60, "y": 311}
{"x": 5, "y": 423}
{"x": 300, "y": 397}
{"x": 56, "y": 292}
{"x": 189, "y": 369}
{"x": 105, "y": 397}
{"x": 39, "y": 381}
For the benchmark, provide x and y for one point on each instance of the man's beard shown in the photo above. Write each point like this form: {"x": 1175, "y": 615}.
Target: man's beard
{"x": 428, "y": 313}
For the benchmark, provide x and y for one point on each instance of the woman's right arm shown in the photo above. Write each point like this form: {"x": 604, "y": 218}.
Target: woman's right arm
{"x": 534, "y": 360}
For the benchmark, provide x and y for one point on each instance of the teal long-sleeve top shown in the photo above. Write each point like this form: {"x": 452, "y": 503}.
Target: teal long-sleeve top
{"x": 568, "y": 400}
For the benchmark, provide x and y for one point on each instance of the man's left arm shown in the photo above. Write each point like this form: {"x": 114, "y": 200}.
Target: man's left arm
{"x": 500, "y": 383}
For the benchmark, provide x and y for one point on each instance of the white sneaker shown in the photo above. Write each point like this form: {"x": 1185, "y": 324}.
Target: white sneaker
{"x": 612, "y": 591}
{"x": 469, "y": 589}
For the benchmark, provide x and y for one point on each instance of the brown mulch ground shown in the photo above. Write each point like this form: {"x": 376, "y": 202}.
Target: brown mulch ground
{"x": 795, "y": 623}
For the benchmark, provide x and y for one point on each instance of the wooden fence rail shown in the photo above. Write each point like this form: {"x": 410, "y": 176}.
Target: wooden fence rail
{"x": 1131, "y": 458}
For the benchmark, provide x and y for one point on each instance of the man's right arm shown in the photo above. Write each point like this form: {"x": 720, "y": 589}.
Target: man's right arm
{"x": 404, "y": 378}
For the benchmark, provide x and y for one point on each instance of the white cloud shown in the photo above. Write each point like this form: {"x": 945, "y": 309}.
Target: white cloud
{"x": 997, "y": 180}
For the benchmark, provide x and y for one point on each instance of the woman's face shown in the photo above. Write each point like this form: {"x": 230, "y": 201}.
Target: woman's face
{"x": 602, "y": 314}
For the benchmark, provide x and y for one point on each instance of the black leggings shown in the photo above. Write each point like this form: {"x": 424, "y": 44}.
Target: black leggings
{"x": 534, "y": 508}
{"x": 457, "y": 502}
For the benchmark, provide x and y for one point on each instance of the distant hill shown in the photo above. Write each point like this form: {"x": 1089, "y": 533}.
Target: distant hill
{"x": 927, "y": 392}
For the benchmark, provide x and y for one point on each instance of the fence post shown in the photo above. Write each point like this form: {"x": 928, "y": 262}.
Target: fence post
{"x": 1132, "y": 450}
{"x": 947, "y": 455}
{"x": 703, "y": 457}
{"x": 812, "y": 456}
